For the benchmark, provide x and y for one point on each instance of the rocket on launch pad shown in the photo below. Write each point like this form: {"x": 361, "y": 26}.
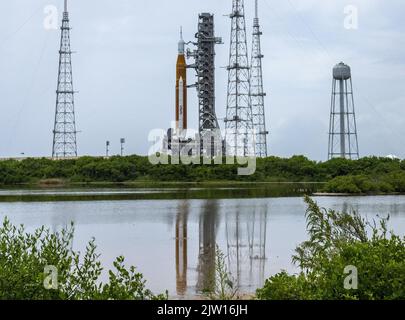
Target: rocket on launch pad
{"x": 181, "y": 88}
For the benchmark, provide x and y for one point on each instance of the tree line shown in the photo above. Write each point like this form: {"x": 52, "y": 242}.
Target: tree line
{"x": 371, "y": 174}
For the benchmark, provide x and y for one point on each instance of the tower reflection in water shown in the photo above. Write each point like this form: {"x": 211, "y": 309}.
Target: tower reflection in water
{"x": 246, "y": 235}
{"x": 208, "y": 226}
{"x": 243, "y": 234}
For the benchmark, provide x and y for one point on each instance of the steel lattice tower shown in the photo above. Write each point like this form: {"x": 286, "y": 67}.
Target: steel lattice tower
{"x": 239, "y": 136}
{"x": 204, "y": 65}
{"x": 343, "y": 142}
{"x": 64, "y": 133}
{"x": 257, "y": 93}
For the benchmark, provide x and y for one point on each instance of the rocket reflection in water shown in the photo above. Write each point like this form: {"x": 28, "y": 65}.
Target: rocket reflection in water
{"x": 244, "y": 245}
{"x": 181, "y": 248}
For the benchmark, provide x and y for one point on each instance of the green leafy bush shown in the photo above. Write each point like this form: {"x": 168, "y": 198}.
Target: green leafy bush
{"x": 283, "y": 286}
{"x": 336, "y": 241}
{"x": 370, "y": 174}
{"x": 366, "y": 184}
{"x": 24, "y": 256}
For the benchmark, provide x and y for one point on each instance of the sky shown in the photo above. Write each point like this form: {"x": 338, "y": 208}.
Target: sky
{"x": 124, "y": 71}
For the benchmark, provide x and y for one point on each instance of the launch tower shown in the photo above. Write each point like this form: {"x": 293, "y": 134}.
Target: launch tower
{"x": 204, "y": 56}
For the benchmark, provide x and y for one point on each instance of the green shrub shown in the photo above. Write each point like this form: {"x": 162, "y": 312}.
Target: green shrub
{"x": 344, "y": 184}
{"x": 283, "y": 286}
{"x": 24, "y": 256}
{"x": 370, "y": 174}
{"x": 365, "y": 184}
{"x": 337, "y": 240}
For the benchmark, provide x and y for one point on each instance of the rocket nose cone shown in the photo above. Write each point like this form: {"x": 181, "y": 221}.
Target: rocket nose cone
{"x": 181, "y": 42}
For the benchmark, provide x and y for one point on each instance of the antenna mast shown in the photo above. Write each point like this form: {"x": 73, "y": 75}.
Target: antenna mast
{"x": 256, "y": 89}
{"x": 239, "y": 136}
{"x": 64, "y": 133}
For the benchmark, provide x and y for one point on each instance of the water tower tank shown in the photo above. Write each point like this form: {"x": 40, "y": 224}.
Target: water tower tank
{"x": 341, "y": 72}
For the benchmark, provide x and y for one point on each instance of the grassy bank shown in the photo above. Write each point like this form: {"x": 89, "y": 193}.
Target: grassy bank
{"x": 118, "y": 192}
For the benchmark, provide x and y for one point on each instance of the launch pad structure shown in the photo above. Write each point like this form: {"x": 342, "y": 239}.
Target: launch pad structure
{"x": 245, "y": 128}
{"x": 204, "y": 55}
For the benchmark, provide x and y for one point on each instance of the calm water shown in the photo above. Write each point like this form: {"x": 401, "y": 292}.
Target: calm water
{"x": 172, "y": 242}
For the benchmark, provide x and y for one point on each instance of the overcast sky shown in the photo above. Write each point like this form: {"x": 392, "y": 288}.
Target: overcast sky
{"x": 124, "y": 70}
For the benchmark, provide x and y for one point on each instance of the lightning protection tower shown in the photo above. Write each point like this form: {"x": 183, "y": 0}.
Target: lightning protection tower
{"x": 256, "y": 89}
{"x": 64, "y": 133}
{"x": 204, "y": 56}
{"x": 343, "y": 142}
{"x": 239, "y": 136}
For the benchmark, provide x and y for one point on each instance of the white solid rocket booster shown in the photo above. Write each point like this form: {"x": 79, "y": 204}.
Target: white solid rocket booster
{"x": 181, "y": 104}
